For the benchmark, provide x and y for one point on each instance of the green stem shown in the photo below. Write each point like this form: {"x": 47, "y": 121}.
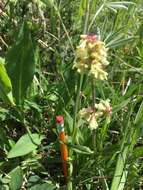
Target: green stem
{"x": 77, "y": 103}
{"x": 93, "y": 107}
{"x": 93, "y": 95}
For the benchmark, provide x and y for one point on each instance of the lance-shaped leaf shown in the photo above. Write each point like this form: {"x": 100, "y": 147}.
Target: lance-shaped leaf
{"x": 5, "y": 85}
{"x": 21, "y": 60}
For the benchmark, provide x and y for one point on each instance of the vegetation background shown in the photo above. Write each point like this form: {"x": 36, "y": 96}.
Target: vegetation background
{"x": 38, "y": 39}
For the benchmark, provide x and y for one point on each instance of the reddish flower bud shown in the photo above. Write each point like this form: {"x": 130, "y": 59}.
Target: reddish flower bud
{"x": 59, "y": 119}
{"x": 90, "y": 37}
{"x": 109, "y": 110}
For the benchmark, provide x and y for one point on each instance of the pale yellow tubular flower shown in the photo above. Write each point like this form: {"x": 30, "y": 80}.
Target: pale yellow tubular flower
{"x": 91, "y": 57}
{"x": 86, "y": 113}
{"x": 96, "y": 57}
{"x": 90, "y": 46}
{"x": 92, "y": 116}
{"x": 93, "y": 122}
{"x": 81, "y": 51}
{"x": 104, "y": 106}
{"x": 105, "y": 62}
{"x": 100, "y": 107}
{"x": 97, "y": 72}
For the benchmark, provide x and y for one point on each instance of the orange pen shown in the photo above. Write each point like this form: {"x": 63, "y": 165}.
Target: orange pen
{"x": 63, "y": 147}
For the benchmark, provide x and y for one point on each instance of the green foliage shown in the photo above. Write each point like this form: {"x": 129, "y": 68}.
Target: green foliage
{"x": 38, "y": 39}
{"x": 21, "y": 60}
{"x": 5, "y": 84}
{"x": 35, "y": 183}
{"x": 16, "y": 178}
{"x": 25, "y": 145}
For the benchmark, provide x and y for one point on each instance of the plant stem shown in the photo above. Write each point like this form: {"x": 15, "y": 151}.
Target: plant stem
{"x": 93, "y": 107}
{"x": 77, "y": 103}
{"x": 93, "y": 95}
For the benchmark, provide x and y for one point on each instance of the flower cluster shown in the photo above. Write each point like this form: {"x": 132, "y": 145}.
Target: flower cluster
{"x": 91, "y": 57}
{"x": 92, "y": 116}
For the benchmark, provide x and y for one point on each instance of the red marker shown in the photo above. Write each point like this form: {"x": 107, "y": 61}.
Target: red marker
{"x": 63, "y": 147}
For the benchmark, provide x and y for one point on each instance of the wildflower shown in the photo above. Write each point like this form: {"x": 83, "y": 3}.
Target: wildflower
{"x": 104, "y": 107}
{"x": 91, "y": 57}
{"x": 92, "y": 116}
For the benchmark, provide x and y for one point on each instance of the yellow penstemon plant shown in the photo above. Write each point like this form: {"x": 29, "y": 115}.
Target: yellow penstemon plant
{"x": 91, "y": 59}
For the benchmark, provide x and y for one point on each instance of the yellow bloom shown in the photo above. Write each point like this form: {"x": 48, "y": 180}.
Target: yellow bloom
{"x": 91, "y": 57}
{"x": 104, "y": 107}
{"x": 92, "y": 116}
{"x": 89, "y": 115}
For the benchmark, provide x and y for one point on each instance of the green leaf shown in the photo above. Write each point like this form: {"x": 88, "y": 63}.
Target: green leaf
{"x": 21, "y": 60}
{"x": 16, "y": 178}
{"x": 137, "y": 152}
{"x": 69, "y": 120}
{"x": 35, "y": 183}
{"x": 123, "y": 104}
{"x": 49, "y": 3}
{"x": 120, "y": 42}
{"x": 139, "y": 115}
{"x": 114, "y": 35}
{"x": 82, "y": 149}
{"x": 25, "y": 145}
{"x": 44, "y": 186}
{"x": 119, "y": 5}
{"x": 82, "y": 8}
{"x": 121, "y": 162}
{"x": 5, "y": 85}
{"x": 13, "y": 1}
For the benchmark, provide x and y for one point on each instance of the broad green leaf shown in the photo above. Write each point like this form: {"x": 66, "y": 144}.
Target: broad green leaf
{"x": 21, "y": 59}
{"x": 16, "y": 178}
{"x": 25, "y": 145}
{"x": 5, "y": 85}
